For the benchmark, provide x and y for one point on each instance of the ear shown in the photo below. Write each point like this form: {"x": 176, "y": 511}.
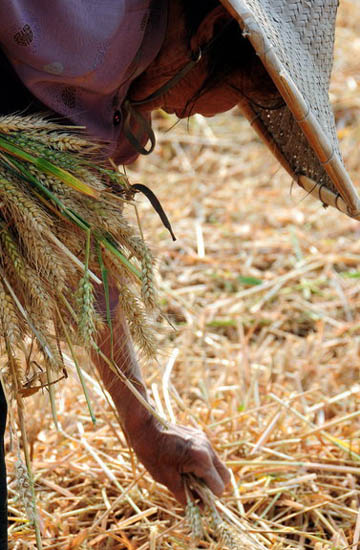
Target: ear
{"x": 208, "y": 27}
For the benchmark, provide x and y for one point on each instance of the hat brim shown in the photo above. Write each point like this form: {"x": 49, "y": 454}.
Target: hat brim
{"x": 327, "y": 179}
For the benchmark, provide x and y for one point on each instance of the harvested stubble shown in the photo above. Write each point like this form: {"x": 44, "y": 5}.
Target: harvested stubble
{"x": 270, "y": 371}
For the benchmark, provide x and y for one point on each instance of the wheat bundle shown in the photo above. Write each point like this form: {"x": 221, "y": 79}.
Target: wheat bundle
{"x": 62, "y": 231}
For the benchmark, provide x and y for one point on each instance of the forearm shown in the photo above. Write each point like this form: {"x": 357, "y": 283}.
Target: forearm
{"x": 166, "y": 453}
{"x": 134, "y": 417}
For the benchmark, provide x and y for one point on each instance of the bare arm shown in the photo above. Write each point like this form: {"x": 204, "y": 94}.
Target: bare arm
{"x": 166, "y": 453}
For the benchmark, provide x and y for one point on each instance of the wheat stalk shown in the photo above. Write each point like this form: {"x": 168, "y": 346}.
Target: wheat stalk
{"x": 52, "y": 195}
{"x": 24, "y": 488}
{"x": 37, "y": 205}
{"x": 11, "y": 326}
{"x": 29, "y": 123}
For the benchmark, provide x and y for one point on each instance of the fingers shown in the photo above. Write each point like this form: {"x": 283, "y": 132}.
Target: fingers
{"x": 175, "y": 483}
{"x": 222, "y": 469}
{"x": 206, "y": 465}
{"x": 214, "y": 481}
{"x": 186, "y": 451}
{"x": 180, "y": 495}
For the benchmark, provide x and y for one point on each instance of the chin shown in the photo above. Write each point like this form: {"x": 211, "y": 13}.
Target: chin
{"x": 215, "y": 108}
{"x": 186, "y": 113}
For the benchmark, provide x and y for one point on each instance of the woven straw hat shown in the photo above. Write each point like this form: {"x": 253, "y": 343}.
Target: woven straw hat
{"x": 294, "y": 40}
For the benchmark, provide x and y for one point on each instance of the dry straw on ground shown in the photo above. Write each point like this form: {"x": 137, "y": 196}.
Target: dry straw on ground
{"x": 262, "y": 287}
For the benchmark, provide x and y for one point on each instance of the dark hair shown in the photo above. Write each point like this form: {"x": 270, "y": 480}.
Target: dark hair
{"x": 224, "y": 55}
{"x": 195, "y": 11}
{"x": 14, "y": 96}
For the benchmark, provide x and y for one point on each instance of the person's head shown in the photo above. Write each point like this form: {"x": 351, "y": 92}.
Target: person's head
{"x": 228, "y": 71}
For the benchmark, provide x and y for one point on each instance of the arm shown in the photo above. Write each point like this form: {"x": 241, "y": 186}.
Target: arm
{"x": 166, "y": 453}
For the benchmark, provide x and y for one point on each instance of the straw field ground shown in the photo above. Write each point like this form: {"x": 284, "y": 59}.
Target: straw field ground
{"x": 262, "y": 288}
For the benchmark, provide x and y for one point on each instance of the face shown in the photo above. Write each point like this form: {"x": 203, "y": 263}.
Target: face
{"x": 253, "y": 83}
{"x": 191, "y": 94}
{"x": 187, "y": 98}
{"x": 208, "y": 104}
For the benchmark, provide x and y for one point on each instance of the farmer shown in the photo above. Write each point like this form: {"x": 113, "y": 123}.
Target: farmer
{"x": 107, "y": 65}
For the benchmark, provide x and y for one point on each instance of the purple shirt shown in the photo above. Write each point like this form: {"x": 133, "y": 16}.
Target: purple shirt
{"x": 79, "y": 57}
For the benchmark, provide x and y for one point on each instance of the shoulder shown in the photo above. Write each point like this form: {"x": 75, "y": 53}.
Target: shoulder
{"x": 75, "y": 32}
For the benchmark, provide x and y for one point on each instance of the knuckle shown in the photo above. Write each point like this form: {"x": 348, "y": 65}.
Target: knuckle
{"x": 201, "y": 453}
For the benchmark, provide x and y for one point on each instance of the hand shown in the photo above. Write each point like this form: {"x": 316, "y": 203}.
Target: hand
{"x": 169, "y": 453}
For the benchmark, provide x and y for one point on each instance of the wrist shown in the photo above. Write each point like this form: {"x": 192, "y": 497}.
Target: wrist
{"x": 142, "y": 433}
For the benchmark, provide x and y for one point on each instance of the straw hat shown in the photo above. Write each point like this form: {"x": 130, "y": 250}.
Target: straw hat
{"x": 294, "y": 40}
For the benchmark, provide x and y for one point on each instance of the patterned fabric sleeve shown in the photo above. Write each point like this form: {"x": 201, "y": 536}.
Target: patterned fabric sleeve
{"x": 79, "y": 57}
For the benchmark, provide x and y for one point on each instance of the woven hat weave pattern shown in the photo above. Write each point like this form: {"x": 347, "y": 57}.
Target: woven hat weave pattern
{"x": 295, "y": 40}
